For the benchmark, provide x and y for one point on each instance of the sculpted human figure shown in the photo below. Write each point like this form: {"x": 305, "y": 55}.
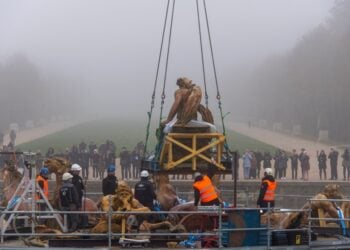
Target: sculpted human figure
{"x": 187, "y": 104}
{"x": 331, "y": 191}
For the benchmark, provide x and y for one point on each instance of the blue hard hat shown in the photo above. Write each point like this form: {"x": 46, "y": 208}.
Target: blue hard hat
{"x": 44, "y": 171}
{"x": 111, "y": 169}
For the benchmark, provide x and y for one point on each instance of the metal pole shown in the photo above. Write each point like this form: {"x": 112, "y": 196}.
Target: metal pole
{"x": 246, "y": 198}
{"x": 65, "y": 223}
{"x": 268, "y": 227}
{"x": 33, "y": 187}
{"x": 220, "y": 227}
{"x": 109, "y": 223}
{"x": 1, "y": 228}
{"x": 309, "y": 225}
{"x": 234, "y": 165}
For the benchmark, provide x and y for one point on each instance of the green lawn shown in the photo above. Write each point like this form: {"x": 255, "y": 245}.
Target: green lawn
{"x": 123, "y": 133}
{"x": 241, "y": 142}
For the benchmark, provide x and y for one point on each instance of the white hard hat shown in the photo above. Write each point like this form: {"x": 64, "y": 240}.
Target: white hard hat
{"x": 196, "y": 174}
{"x": 67, "y": 176}
{"x": 268, "y": 171}
{"x": 144, "y": 173}
{"x": 76, "y": 167}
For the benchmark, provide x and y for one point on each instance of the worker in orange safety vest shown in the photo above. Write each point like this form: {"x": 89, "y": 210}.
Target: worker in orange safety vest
{"x": 267, "y": 190}
{"x": 42, "y": 180}
{"x": 204, "y": 191}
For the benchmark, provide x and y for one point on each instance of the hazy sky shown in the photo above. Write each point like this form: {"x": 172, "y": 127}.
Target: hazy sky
{"x": 110, "y": 47}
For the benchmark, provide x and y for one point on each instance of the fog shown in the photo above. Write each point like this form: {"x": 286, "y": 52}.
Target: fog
{"x": 100, "y": 57}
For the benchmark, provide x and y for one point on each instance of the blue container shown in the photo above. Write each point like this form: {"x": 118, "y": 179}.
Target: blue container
{"x": 263, "y": 236}
{"x": 247, "y": 218}
{"x": 225, "y": 237}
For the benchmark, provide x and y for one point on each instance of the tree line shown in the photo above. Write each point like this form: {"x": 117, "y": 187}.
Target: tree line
{"x": 26, "y": 95}
{"x": 309, "y": 85}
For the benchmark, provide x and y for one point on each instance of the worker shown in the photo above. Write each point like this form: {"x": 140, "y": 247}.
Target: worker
{"x": 110, "y": 183}
{"x": 42, "y": 180}
{"x": 144, "y": 191}
{"x": 77, "y": 181}
{"x": 204, "y": 191}
{"x": 267, "y": 190}
{"x": 69, "y": 201}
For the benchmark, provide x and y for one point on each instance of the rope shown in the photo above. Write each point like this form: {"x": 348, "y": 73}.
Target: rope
{"x": 202, "y": 55}
{"x": 149, "y": 114}
{"x": 218, "y": 96}
{"x": 166, "y": 63}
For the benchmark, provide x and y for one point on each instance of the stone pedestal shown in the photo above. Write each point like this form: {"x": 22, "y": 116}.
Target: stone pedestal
{"x": 29, "y": 124}
{"x": 296, "y": 130}
{"x": 277, "y": 126}
{"x": 323, "y": 136}
{"x": 262, "y": 123}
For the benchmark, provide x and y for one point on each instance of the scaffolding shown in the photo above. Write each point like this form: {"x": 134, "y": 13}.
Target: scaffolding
{"x": 26, "y": 194}
{"x": 301, "y": 237}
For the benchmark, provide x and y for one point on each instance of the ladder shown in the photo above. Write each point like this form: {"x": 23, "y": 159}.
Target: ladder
{"x": 26, "y": 194}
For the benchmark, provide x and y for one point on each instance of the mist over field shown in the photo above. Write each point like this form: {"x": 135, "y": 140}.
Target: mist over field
{"x": 277, "y": 60}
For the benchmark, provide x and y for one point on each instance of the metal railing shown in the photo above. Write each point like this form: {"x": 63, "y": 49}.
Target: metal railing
{"x": 216, "y": 211}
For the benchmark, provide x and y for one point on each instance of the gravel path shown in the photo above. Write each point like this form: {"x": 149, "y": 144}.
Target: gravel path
{"x": 287, "y": 143}
{"x": 37, "y": 132}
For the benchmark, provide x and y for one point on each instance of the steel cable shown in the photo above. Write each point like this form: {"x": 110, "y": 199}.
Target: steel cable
{"x": 166, "y": 63}
{"x": 202, "y": 55}
{"x": 156, "y": 79}
{"x": 218, "y": 96}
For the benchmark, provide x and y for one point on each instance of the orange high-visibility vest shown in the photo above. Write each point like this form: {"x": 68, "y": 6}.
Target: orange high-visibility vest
{"x": 270, "y": 191}
{"x": 206, "y": 189}
{"x": 45, "y": 188}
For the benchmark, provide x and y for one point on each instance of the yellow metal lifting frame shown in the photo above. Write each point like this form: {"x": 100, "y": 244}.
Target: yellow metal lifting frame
{"x": 217, "y": 141}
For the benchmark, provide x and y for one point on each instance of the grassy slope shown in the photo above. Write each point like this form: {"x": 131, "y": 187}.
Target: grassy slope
{"x": 241, "y": 142}
{"x": 123, "y": 133}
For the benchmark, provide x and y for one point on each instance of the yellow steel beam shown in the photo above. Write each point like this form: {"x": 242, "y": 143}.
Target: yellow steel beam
{"x": 194, "y": 152}
{"x": 194, "y": 148}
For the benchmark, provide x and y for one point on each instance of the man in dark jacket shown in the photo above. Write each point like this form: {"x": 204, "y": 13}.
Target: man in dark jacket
{"x": 144, "y": 191}
{"x": 77, "y": 181}
{"x": 346, "y": 164}
{"x": 267, "y": 160}
{"x": 96, "y": 161}
{"x": 84, "y": 161}
{"x": 333, "y": 158}
{"x": 267, "y": 190}
{"x": 69, "y": 201}
{"x": 294, "y": 164}
{"x": 259, "y": 158}
{"x": 322, "y": 164}
{"x": 136, "y": 163}
{"x": 125, "y": 163}
{"x": 110, "y": 184}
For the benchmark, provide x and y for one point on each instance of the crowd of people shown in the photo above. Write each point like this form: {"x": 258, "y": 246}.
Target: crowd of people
{"x": 94, "y": 159}
{"x": 286, "y": 165}
{"x": 98, "y": 157}
{"x": 254, "y": 162}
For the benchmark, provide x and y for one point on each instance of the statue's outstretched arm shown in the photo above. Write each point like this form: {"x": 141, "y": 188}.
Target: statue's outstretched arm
{"x": 174, "y": 107}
